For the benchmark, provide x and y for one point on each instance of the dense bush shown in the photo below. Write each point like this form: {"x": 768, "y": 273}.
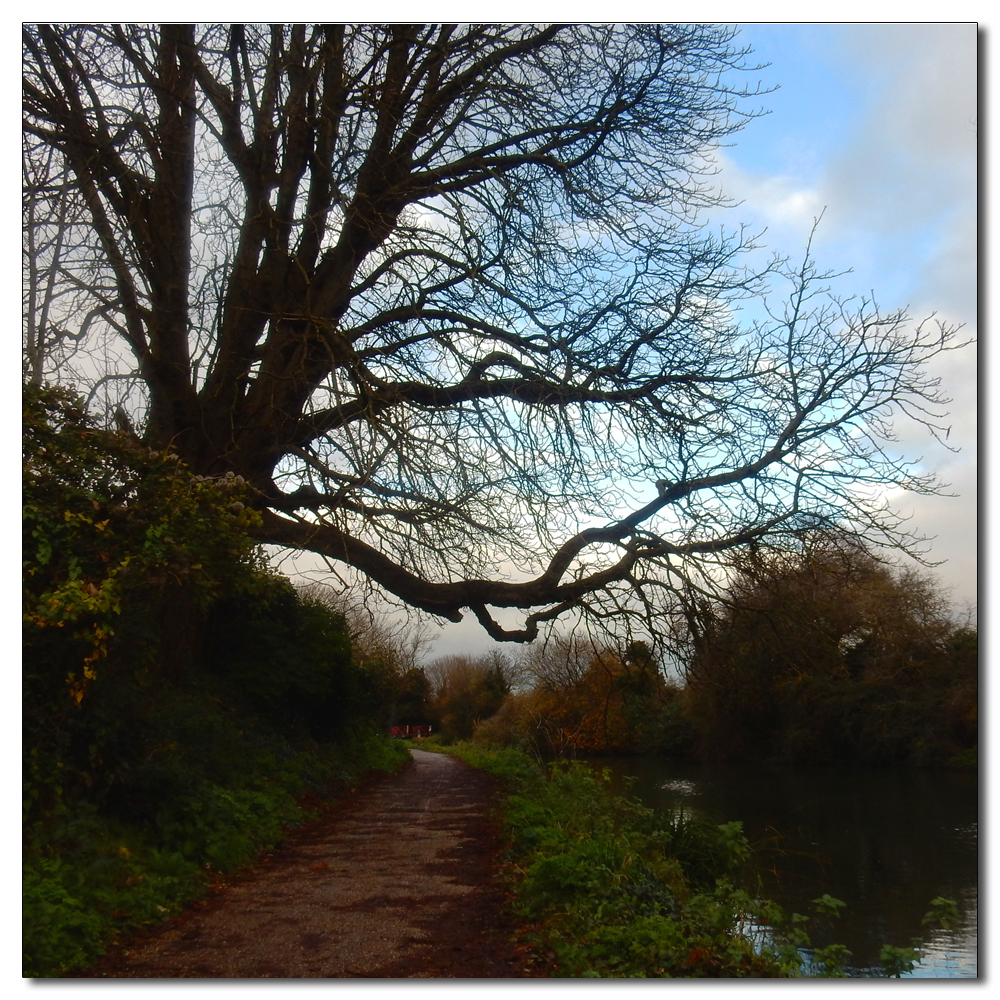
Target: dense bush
{"x": 124, "y": 553}
{"x": 289, "y": 654}
{"x": 180, "y": 699}
{"x": 830, "y": 656}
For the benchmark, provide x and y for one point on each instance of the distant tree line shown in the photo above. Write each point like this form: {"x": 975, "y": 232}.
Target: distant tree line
{"x": 823, "y": 655}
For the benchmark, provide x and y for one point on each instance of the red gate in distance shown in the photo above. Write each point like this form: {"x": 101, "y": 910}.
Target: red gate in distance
{"x": 409, "y": 732}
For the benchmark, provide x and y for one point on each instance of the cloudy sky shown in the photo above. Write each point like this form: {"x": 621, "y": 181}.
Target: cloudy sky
{"x": 878, "y": 125}
{"x": 875, "y": 126}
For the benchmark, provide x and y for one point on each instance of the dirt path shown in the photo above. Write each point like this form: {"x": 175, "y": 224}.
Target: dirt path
{"x": 396, "y": 882}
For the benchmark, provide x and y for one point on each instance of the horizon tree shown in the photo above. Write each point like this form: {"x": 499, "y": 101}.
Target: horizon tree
{"x": 829, "y": 654}
{"x": 443, "y": 296}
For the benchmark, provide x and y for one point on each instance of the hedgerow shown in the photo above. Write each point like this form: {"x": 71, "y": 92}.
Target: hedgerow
{"x": 182, "y": 702}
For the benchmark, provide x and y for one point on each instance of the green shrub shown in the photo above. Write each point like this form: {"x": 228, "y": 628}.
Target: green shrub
{"x": 607, "y": 887}
{"x": 73, "y": 903}
{"x": 59, "y": 929}
{"x": 179, "y": 697}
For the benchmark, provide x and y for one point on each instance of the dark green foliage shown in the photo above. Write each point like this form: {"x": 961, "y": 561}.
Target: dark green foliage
{"x": 62, "y": 926}
{"x": 829, "y": 656}
{"x": 124, "y": 553}
{"x": 180, "y": 699}
{"x": 413, "y": 695}
{"x": 289, "y": 655}
{"x": 672, "y": 730}
{"x": 653, "y": 709}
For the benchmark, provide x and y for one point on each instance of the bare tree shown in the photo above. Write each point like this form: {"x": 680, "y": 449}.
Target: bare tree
{"x": 58, "y": 306}
{"x": 440, "y": 294}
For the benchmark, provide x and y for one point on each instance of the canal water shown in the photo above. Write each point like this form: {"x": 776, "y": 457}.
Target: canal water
{"x": 885, "y": 841}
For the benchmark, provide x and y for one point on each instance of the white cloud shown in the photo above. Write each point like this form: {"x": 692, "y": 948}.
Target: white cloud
{"x": 900, "y": 209}
{"x": 785, "y": 204}
{"x": 910, "y": 168}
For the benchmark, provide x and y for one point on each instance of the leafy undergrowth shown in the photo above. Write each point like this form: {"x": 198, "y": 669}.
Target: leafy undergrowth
{"x": 604, "y": 887}
{"x": 90, "y": 881}
{"x": 181, "y": 700}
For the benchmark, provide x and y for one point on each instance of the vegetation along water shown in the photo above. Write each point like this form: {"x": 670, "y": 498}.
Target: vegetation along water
{"x": 886, "y": 841}
{"x": 605, "y": 886}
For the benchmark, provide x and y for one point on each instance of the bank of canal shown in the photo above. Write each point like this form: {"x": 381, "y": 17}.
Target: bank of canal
{"x": 886, "y": 841}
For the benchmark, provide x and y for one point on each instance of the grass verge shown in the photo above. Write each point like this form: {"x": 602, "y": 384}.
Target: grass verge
{"x": 90, "y": 881}
{"x": 603, "y": 886}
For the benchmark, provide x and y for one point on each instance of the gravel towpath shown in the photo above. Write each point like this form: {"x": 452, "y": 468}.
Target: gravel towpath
{"x": 397, "y": 881}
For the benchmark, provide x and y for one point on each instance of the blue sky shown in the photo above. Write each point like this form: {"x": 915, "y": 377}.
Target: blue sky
{"x": 875, "y": 126}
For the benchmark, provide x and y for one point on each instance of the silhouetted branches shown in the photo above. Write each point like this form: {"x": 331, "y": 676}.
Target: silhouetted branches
{"x": 440, "y": 294}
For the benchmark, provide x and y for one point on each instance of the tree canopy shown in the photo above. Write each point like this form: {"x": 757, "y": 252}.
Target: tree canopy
{"x": 440, "y": 294}
{"x": 829, "y": 655}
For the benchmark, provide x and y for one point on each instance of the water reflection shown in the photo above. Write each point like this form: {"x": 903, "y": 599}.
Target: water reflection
{"x": 885, "y": 841}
